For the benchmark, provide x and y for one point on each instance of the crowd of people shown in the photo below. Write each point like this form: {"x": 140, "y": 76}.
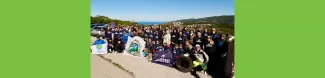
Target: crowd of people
{"x": 209, "y": 46}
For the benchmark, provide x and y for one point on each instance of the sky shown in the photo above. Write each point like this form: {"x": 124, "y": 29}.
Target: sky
{"x": 160, "y": 10}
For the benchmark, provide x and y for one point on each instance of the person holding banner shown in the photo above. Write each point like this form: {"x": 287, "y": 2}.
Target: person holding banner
{"x": 99, "y": 41}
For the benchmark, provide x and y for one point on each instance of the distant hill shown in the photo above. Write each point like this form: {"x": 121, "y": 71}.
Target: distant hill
{"x": 225, "y": 19}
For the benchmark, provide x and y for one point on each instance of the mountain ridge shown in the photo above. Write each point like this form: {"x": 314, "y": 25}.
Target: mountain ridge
{"x": 224, "y": 19}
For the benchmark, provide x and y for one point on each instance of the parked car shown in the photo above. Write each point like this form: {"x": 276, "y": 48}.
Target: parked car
{"x": 94, "y": 25}
{"x": 98, "y": 31}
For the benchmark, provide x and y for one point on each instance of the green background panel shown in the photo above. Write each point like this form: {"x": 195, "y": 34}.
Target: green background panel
{"x": 50, "y": 39}
{"x": 279, "y": 38}
{"x": 44, "y": 39}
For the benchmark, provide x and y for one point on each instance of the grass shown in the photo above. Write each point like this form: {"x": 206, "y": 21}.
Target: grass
{"x": 118, "y": 65}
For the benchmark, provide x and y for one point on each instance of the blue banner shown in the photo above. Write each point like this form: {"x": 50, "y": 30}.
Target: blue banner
{"x": 163, "y": 57}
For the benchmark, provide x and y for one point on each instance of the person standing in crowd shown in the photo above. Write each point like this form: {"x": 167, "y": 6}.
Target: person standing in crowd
{"x": 139, "y": 33}
{"x": 108, "y": 34}
{"x": 173, "y": 38}
{"x": 114, "y": 37}
{"x": 180, "y": 39}
{"x": 146, "y": 35}
{"x": 222, "y": 46}
{"x": 211, "y": 52}
{"x": 160, "y": 34}
{"x": 205, "y": 33}
{"x": 134, "y": 32}
{"x": 120, "y": 32}
{"x": 156, "y": 35}
{"x": 215, "y": 35}
{"x": 167, "y": 38}
{"x": 125, "y": 37}
{"x": 151, "y": 35}
{"x": 221, "y": 50}
{"x": 198, "y": 40}
{"x": 187, "y": 34}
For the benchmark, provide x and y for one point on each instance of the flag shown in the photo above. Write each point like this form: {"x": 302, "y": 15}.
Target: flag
{"x": 99, "y": 49}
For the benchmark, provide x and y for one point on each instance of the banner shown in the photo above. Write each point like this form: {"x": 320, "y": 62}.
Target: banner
{"x": 135, "y": 46}
{"x": 163, "y": 57}
{"x": 99, "y": 49}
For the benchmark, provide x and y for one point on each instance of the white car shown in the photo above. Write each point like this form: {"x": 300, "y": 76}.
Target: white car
{"x": 98, "y": 31}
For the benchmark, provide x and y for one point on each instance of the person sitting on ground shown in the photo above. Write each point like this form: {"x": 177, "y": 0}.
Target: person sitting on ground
{"x": 149, "y": 45}
{"x": 99, "y": 41}
{"x": 110, "y": 46}
{"x": 179, "y": 50}
{"x": 200, "y": 59}
{"x": 119, "y": 45}
{"x": 158, "y": 47}
{"x": 188, "y": 47}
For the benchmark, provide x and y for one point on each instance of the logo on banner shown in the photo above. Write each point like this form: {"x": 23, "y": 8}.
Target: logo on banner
{"x": 162, "y": 59}
{"x": 134, "y": 48}
{"x": 99, "y": 47}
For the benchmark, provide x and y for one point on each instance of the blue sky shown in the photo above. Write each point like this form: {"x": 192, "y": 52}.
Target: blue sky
{"x": 160, "y": 10}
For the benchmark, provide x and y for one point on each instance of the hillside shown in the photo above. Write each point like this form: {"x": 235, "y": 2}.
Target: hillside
{"x": 99, "y": 19}
{"x": 226, "y": 19}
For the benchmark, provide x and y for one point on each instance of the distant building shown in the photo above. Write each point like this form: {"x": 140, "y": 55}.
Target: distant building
{"x": 176, "y": 23}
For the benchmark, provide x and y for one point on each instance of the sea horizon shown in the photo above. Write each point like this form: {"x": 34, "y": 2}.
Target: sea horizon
{"x": 150, "y": 23}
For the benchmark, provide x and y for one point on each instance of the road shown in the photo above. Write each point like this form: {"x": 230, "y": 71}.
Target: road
{"x": 140, "y": 67}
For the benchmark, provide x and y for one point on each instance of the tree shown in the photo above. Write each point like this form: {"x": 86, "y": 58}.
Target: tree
{"x": 99, "y": 19}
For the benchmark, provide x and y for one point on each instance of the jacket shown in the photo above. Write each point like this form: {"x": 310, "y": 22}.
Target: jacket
{"x": 125, "y": 37}
{"x": 201, "y": 57}
{"x": 166, "y": 39}
{"x": 99, "y": 42}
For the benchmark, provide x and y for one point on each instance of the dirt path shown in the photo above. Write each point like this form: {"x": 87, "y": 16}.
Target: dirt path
{"x": 101, "y": 68}
{"x": 144, "y": 69}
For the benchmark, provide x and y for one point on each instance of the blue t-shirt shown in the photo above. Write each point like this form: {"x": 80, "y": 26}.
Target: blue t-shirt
{"x": 99, "y": 42}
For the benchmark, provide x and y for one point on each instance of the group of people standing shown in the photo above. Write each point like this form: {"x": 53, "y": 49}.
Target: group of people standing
{"x": 182, "y": 40}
